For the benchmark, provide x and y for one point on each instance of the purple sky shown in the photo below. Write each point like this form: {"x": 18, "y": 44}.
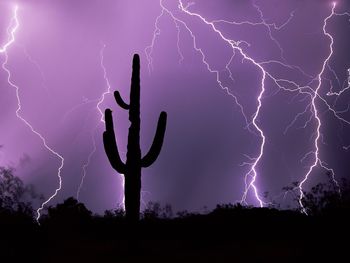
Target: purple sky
{"x": 56, "y": 63}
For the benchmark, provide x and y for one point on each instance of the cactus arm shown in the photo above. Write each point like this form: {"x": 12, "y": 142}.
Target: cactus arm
{"x": 154, "y": 151}
{"x": 110, "y": 144}
{"x": 120, "y": 101}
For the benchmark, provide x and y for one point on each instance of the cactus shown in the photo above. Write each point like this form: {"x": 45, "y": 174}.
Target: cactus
{"x": 134, "y": 162}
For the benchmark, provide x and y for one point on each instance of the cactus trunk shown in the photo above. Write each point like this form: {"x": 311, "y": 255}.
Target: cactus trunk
{"x": 132, "y": 181}
{"x": 132, "y": 190}
{"x": 134, "y": 162}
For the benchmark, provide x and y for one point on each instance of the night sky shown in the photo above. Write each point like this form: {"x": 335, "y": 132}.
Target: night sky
{"x": 190, "y": 71}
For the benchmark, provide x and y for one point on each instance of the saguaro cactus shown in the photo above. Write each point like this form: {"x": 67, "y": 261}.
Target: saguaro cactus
{"x": 134, "y": 162}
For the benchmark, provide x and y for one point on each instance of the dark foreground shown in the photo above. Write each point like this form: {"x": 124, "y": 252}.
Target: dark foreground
{"x": 228, "y": 234}
{"x": 69, "y": 232}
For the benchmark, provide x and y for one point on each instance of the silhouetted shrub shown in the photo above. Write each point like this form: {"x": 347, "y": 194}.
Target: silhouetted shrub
{"x": 118, "y": 213}
{"x": 154, "y": 210}
{"x": 69, "y": 212}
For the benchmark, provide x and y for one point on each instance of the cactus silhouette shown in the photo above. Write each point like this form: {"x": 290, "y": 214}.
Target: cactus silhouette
{"x": 134, "y": 162}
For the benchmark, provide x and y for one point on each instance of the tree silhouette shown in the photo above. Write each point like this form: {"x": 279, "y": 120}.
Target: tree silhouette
{"x": 323, "y": 198}
{"x": 134, "y": 162}
{"x": 15, "y": 196}
{"x": 328, "y": 198}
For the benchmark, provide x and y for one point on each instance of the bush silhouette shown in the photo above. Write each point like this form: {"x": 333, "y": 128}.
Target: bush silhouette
{"x": 69, "y": 212}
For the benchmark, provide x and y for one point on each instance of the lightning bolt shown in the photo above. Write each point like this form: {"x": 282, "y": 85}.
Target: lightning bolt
{"x": 85, "y": 101}
{"x": 86, "y": 165}
{"x": 100, "y": 101}
{"x": 11, "y": 30}
{"x": 286, "y": 85}
{"x": 99, "y": 110}
{"x": 149, "y": 50}
{"x": 38, "y": 67}
{"x": 251, "y": 176}
{"x": 252, "y": 123}
{"x": 317, "y": 160}
{"x": 343, "y": 88}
